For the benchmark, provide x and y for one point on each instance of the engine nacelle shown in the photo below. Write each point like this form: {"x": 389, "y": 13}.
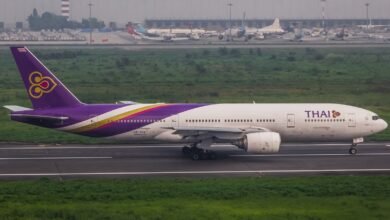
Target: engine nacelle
{"x": 261, "y": 142}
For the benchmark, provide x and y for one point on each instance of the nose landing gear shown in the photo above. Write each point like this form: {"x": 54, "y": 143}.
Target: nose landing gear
{"x": 353, "y": 150}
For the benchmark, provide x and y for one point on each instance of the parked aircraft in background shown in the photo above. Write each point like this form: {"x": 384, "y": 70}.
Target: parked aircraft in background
{"x": 265, "y": 32}
{"x": 374, "y": 28}
{"x": 232, "y": 33}
{"x": 296, "y": 36}
{"x": 249, "y": 33}
{"x": 255, "y": 128}
{"x": 189, "y": 33}
{"x": 139, "y": 33}
{"x": 338, "y": 35}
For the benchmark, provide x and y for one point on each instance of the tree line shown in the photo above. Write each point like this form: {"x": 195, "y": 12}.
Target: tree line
{"x": 52, "y": 21}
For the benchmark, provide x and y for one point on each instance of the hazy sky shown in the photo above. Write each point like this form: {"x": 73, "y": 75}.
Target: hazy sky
{"x": 123, "y": 11}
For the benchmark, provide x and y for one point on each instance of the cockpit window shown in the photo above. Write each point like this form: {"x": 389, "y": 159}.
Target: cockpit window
{"x": 375, "y": 117}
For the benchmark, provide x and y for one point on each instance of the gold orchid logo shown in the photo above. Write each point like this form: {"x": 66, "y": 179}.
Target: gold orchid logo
{"x": 40, "y": 85}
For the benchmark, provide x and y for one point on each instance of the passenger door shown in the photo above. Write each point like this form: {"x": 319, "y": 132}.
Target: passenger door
{"x": 351, "y": 118}
{"x": 290, "y": 121}
{"x": 175, "y": 121}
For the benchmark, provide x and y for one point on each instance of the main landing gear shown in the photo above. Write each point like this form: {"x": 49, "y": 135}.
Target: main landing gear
{"x": 196, "y": 153}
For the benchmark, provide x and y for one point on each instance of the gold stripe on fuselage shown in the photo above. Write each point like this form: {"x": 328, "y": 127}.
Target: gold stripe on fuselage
{"x": 113, "y": 119}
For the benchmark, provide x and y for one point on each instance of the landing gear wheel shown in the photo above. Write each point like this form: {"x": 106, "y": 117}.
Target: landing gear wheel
{"x": 352, "y": 151}
{"x": 195, "y": 156}
{"x": 196, "y": 153}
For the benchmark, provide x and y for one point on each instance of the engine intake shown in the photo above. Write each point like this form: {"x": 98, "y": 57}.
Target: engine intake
{"x": 260, "y": 143}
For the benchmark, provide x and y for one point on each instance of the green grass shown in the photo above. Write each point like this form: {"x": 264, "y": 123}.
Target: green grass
{"x": 326, "y": 197}
{"x": 358, "y": 77}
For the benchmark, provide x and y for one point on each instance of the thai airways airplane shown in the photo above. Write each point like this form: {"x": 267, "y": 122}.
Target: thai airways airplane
{"x": 256, "y": 128}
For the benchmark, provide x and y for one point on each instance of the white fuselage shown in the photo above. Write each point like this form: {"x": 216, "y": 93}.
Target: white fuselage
{"x": 294, "y": 122}
{"x": 176, "y": 32}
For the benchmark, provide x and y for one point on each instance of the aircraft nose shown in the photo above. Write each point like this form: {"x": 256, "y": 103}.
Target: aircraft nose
{"x": 385, "y": 125}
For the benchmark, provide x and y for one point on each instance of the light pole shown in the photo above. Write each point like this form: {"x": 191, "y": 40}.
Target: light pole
{"x": 323, "y": 2}
{"x": 367, "y": 15}
{"x": 90, "y": 22}
{"x": 230, "y": 21}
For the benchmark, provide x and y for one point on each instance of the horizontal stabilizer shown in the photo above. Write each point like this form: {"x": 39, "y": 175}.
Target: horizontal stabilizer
{"x": 128, "y": 102}
{"x": 15, "y": 108}
{"x": 43, "y": 117}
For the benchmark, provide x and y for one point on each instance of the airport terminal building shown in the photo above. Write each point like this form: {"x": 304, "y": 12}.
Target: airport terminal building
{"x": 224, "y": 23}
{"x": 203, "y": 13}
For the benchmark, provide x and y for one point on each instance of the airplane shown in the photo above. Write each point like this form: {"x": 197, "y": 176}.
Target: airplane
{"x": 261, "y": 33}
{"x": 139, "y": 34}
{"x": 253, "y": 33}
{"x": 374, "y": 28}
{"x": 296, "y": 36}
{"x": 191, "y": 33}
{"x": 255, "y": 128}
{"x": 356, "y": 36}
{"x": 232, "y": 33}
{"x": 301, "y": 35}
{"x": 339, "y": 35}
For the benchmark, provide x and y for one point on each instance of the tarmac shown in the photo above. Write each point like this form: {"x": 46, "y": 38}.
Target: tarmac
{"x": 271, "y": 44}
{"x": 117, "y": 161}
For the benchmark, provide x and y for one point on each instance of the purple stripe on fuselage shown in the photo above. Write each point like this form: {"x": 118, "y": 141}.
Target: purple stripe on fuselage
{"x": 154, "y": 114}
{"x": 76, "y": 115}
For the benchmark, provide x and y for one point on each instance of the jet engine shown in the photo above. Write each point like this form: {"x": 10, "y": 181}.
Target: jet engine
{"x": 260, "y": 143}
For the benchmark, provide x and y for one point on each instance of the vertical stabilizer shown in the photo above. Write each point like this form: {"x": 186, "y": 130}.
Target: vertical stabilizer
{"x": 276, "y": 23}
{"x": 43, "y": 88}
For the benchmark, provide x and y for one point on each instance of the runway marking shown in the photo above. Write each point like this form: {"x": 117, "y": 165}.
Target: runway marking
{"x": 196, "y": 172}
{"x": 40, "y": 147}
{"x": 85, "y": 147}
{"x": 54, "y": 158}
{"x": 332, "y": 144}
{"x": 308, "y": 155}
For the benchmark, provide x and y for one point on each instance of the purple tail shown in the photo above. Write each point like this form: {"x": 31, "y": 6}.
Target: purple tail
{"x": 43, "y": 88}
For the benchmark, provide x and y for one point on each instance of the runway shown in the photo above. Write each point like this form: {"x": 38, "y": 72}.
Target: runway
{"x": 79, "y": 161}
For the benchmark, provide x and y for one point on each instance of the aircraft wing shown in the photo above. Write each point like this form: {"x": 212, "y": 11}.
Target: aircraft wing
{"x": 223, "y": 133}
{"x": 128, "y": 102}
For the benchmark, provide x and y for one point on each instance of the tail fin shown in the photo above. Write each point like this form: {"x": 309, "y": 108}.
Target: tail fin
{"x": 140, "y": 28}
{"x": 43, "y": 88}
{"x": 130, "y": 29}
{"x": 276, "y": 23}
